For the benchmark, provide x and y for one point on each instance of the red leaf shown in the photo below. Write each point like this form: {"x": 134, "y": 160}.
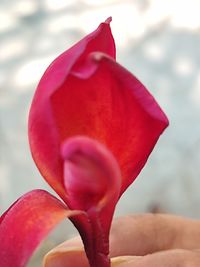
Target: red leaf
{"x": 26, "y": 223}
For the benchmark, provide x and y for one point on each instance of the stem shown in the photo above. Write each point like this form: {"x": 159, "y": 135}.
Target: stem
{"x": 99, "y": 250}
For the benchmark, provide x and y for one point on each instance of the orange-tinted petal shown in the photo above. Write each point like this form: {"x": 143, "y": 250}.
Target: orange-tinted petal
{"x": 26, "y": 224}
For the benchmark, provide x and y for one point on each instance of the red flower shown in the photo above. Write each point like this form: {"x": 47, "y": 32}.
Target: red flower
{"x": 92, "y": 126}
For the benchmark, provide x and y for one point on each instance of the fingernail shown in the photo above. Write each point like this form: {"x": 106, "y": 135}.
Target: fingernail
{"x": 121, "y": 260}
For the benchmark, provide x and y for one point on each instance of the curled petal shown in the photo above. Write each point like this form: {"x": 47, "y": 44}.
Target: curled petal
{"x": 89, "y": 170}
{"x": 26, "y": 224}
{"x": 46, "y": 150}
{"x": 92, "y": 181}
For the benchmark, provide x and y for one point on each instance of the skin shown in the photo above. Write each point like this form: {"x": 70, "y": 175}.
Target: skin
{"x": 140, "y": 241}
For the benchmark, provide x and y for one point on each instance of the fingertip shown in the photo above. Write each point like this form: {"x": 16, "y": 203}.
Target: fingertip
{"x": 66, "y": 256}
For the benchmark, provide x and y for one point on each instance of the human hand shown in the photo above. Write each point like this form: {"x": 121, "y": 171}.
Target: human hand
{"x": 149, "y": 240}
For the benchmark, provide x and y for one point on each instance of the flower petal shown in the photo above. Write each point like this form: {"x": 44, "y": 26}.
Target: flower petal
{"x": 89, "y": 170}
{"x": 26, "y": 223}
{"x": 93, "y": 183}
{"x": 45, "y": 147}
{"x": 112, "y": 106}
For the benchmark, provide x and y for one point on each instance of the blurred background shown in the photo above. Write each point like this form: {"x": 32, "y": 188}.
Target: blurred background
{"x": 158, "y": 41}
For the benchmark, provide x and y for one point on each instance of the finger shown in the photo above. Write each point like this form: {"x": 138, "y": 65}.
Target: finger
{"x": 178, "y": 258}
{"x": 148, "y": 233}
{"x": 66, "y": 255}
{"x": 137, "y": 235}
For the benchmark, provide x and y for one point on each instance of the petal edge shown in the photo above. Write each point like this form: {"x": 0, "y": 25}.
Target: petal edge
{"x": 26, "y": 223}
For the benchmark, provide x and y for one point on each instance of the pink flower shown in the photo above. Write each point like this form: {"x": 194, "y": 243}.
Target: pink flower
{"x": 92, "y": 126}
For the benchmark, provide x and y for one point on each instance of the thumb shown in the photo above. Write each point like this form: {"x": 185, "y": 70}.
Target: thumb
{"x": 64, "y": 256}
{"x": 67, "y": 254}
{"x": 71, "y": 253}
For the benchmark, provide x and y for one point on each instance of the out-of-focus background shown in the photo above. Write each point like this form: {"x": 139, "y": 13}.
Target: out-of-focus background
{"x": 158, "y": 41}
